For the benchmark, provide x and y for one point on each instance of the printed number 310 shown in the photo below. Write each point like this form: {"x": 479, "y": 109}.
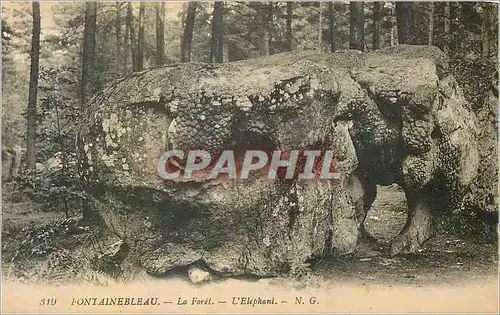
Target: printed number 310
{"x": 48, "y": 302}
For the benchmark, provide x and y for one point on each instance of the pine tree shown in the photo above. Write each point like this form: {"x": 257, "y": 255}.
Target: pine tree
{"x": 118, "y": 30}
{"x": 216, "y": 47}
{"x": 430, "y": 38}
{"x": 404, "y": 18}
{"x": 187, "y": 37}
{"x": 32, "y": 97}
{"x": 140, "y": 39}
{"x": 89, "y": 45}
{"x": 160, "y": 33}
{"x": 131, "y": 36}
{"x": 357, "y": 25}
{"x": 289, "y": 34}
{"x": 377, "y": 12}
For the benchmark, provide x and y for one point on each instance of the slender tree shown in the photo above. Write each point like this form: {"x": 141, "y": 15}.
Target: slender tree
{"x": 32, "y": 96}
{"x": 419, "y": 23}
{"x": 270, "y": 24}
{"x": 289, "y": 34}
{"x": 86, "y": 88}
{"x": 405, "y": 25}
{"x": 126, "y": 42}
{"x": 430, "y": 38}
{"x": 131, "y": 36}
{"x": 320, "y": 27}
{"x": 377, "y": 15}
{"x": 394, "y": 26}
{"x": 331, "y": 26}
{"x": 187, "y": 37}
{"x": 89, "y": 44}
{"x": 447, "y": 24}
{"x": 160, "y": 33}
{"x": 118, "y": 30}
{"x": 216, "y": 47}
{"x": 357, "y": 26}
{"x": 265, "y": 15}
{"x": 140, "y": 39}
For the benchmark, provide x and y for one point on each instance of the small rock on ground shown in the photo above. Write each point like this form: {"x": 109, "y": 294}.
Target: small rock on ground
{"x": 197, "y": 275}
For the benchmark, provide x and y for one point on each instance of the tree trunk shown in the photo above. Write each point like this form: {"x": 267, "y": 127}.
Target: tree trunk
{"x": 320, "y": 27}
{"x": 289, "y": 34}
{"x": 131, "y": 33}
{"x": 126, "y": 44}
{"x": 420, "y": 32}
{"x": 377, "y": 12}
{"x": 187, "y": 37}
{"x": 264, "y": 10}
{"x": 86, "y": 89}
{"x": 357, "y": 24}
{"x": 89, "y": 43}
{"x": 32, "y": 96}
{"x": 430, "y": 38}
{"x": 270, "y": 19}
{"x": 485, "y": 25}
{"x": 447, "y": 25}
{"x": 394, "y": 29}
{"x": 331, "y": 27}
{"x": 118, "y": 28}
{"x": 216, "y": 47}
{"x": 160, "y": 33}
{"x": 140, "y": 40}
{"x": 404, "y": 20}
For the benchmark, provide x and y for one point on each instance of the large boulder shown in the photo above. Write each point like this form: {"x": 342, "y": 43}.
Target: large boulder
{"x": 349, "y": 102}
{"x": 255, "y": 226}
